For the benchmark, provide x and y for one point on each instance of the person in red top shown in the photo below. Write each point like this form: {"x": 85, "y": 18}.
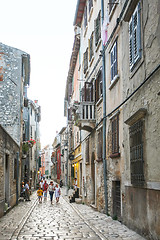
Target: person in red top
{"x": 45, "y": 187}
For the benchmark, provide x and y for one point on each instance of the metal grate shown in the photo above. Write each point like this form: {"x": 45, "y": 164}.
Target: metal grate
{"x": 136, "y": 153}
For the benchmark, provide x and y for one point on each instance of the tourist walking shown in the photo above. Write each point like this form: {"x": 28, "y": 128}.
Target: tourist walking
{"x": 57, "y": 193}
{"x": 51, "y": 189}
{"x": 45, "y": 187}
{"x": 27, "y": 194}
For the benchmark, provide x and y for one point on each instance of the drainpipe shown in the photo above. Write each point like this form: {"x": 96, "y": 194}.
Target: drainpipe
{"x": 17, "y": 178}
{"x": 104, "y": 114}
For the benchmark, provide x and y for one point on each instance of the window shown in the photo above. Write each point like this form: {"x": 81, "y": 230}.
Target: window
{"x": 111, "y": 4}
{"x": 87, "y": 151}
{"x": 91, "y": 47}
{"x": 115, "y": 136}
{"x": 85, "y": 61}
{"x": 90, "y": 5}
{"x": 85, "y": 17}
{"x": 98, "y": 86}
{"x": 136, "y": 153}
{"x": 135, "y": 37}
{"x": 100, "y": 145}
{"x": 1, "y": 74}
{"x": 114, "y": 70}
{"x": 97, "y": 29}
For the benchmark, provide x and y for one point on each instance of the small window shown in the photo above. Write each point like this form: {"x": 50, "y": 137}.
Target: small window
{"x": 100, "y": 145}
{"x": 97, "y": 29}
{"x": 135, "y": 37}
{"x": 136, "y": 153}
{"x": 85, "y": 17}
{"x": 114, "y": 68}
{"x": 91, "y": 47}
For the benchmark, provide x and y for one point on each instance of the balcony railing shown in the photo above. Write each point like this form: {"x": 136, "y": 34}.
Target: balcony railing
{"x": 86, "y": 111}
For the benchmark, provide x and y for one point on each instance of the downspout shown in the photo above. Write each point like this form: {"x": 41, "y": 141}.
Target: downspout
{"x": 104, "y": 114}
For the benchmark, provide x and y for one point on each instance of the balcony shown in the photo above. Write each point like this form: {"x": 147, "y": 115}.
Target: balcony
{"x": 84, "y": 116}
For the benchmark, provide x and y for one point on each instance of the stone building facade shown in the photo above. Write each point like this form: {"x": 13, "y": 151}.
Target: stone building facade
{"x": 121, "y": 54}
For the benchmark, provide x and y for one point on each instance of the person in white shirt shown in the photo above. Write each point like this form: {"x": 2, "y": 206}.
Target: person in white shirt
{"x": 27, "y": 195}
{"x": 41, "y": 184}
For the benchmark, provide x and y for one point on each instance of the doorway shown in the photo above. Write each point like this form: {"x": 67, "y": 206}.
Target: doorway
{"x": 7, "y": 178}
{"x": 93, "y": 177}
{"x": 116, "y": 191}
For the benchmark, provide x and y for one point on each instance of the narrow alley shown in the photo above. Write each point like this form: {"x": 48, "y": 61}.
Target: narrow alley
{"x": 32, "y": 220}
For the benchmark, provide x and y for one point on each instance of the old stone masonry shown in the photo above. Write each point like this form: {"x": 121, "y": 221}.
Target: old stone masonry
{"x": 64, "y": 220}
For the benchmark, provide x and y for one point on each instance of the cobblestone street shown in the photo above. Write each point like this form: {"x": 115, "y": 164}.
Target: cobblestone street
{"x": 32, "y": 220}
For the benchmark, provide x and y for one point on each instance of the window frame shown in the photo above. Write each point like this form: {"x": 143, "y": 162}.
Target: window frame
{"x": 114, "y": 61}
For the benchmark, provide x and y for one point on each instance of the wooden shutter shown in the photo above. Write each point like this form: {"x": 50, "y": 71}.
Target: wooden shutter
{"x": 135, "y": 37}
{"x": 115, "y": 134}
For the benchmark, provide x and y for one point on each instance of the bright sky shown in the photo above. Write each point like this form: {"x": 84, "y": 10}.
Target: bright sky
{"x": 44, "y": 29}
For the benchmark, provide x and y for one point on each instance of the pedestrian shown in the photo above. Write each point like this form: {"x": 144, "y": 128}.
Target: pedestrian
{"x": 27, "y": 194}
{"x": 40, "y": 194}
{"x": 45, "y": 187}
{"x": 41, "y": 184}
{"x": 75, "y": 183}
{"x": 23, "y": 190}
{"x": 51, "y": 189}
{"x": 57, "y": 193}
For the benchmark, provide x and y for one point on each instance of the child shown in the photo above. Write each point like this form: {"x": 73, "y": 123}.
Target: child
{"x": 57, "y": 193}
{"x": 40, "y": 194}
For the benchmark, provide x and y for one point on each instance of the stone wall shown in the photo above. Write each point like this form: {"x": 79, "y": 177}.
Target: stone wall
{"x": 10, "y": 90}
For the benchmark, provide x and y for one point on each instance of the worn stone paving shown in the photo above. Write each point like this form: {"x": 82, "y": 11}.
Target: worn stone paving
{"x": 32, "y": 220}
